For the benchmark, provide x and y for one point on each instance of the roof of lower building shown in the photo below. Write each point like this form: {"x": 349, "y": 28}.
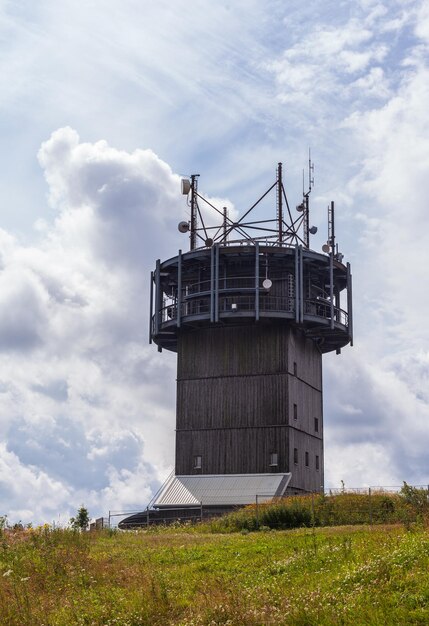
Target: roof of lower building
{"x": 221, "y": 489}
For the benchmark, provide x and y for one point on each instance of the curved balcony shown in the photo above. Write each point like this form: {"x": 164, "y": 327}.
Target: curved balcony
{"x": 294, "y": 287}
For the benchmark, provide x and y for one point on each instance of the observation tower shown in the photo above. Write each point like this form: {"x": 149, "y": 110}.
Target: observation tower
{"x": 250, "y": 309}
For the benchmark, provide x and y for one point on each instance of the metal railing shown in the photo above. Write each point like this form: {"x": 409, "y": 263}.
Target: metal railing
{"x": 234, "y": 302}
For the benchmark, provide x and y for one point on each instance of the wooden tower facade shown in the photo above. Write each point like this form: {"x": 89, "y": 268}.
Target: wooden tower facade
{"x": 250, "y": 317}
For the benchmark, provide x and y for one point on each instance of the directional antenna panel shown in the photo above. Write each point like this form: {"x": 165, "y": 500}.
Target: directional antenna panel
{"x": 186, "y": 186}
{"x": 183, "y": 227}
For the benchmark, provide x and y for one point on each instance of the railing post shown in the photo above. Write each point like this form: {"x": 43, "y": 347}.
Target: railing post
{"x": 256, "y": 281}
{"x": 349, "y": 304}
{"x": 216, "y": 311}
{"x": 257, "y": 513}
{"x": 331, "y": 287}
{"x": 212, "y": 283}
{"x": 179, "y": 290}
{"x": 301, "y": 283}
{"x": 297, "y": 287}
{"x": 158, "y": 302}
{"x": 151, "y": 308}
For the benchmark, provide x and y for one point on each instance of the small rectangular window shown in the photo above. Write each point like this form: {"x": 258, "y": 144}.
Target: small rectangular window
{"x": 197, "y": 462}
{"x": 295, "y": 369}
{"x": 274, "y": 458}
{"x": 317, "y": 462}
{"x": 295, "y": 456}
{"x": 316, "y": 424}
{"x": 307, "y": 459}
{"x": 295, "y": 411}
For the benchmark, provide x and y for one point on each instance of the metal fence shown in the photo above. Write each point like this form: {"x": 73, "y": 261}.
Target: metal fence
{"x": 332, "y": 506}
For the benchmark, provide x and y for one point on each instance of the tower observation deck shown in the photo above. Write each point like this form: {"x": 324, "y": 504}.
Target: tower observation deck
{"x": 250, "y": 309}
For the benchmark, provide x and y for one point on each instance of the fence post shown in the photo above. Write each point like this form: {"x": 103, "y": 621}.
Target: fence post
{"x": 147, "y": 517}
{"x": 370, "y": 505}
{"x": 109, "y": 520}
{"x": 201, "y": 511}
{"x": 257, "y": 513}
{"x": 313, "y": 519}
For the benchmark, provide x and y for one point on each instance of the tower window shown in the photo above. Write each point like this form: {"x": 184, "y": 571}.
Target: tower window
{"x": 295, "y": 369}
{"x": 295, "y": 411}
{"x": 274, "y": 459}
{"x": 295, "y": 456}
{"x": 317, "y": 461}
{"x": 197, "y": 462}
{"x": 307, "y": 460}
{"x": 316, "y": 424}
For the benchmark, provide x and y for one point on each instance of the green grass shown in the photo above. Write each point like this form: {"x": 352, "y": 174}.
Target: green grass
{"x": 407, "y": 506}
{"x": 346, "y": 575}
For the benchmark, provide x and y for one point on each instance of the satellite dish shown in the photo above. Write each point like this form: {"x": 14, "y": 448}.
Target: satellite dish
{"x": 326, "y": 248}
{"x": 186, "y": 186}
{"x": 183, "y": 226}
{"x": 300, "y": 207}
{"x": 267, "y": 284}
{"x": 313, "y": 230}
{"x": 209, "y": 242}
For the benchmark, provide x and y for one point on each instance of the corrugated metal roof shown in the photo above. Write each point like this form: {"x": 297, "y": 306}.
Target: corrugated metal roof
{"x": 221, "y": 489}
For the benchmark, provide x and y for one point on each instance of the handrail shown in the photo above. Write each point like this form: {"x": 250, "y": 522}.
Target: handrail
{"x": 234, "y": 302}
{"x": 269, "y": 240}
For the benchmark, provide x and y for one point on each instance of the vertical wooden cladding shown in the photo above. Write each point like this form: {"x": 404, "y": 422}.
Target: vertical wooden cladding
{"x": 308, "y": 358}
{"x": 230, "y": 402}
{"x": 305, "y": 390}
{"x": 232, "y": 377}
{"x": 236, "y": 389}
{"x": 309, "y": 406}
{"x": 306, "y": 478}
{"x": 232, "y": 451}
{"x": 233, "y": 351}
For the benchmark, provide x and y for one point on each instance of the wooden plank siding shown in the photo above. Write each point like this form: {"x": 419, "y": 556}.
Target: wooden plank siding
{"x": 236, "y": 391}
{"x": 232, "y": 450}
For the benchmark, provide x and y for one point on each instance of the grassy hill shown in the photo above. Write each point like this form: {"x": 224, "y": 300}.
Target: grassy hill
{"x": 189, "y": 576}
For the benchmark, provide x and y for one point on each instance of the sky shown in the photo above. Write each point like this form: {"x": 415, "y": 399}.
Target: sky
{"x": 105, "y": 105}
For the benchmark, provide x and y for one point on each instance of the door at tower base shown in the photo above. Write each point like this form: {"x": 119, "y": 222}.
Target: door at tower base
{"x": 221, "y": 490}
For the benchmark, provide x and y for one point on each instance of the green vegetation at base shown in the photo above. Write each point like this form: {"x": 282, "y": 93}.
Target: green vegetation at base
{"x": 310, "y": 576}
{"x": 407, "y": 506}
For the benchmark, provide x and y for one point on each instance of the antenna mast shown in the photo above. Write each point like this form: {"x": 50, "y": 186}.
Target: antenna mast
{"x": 194, "y": 209}
{"x": 280, "y": 202}
{"x": 306, "y": 216}
{"x": 331, "y": 226}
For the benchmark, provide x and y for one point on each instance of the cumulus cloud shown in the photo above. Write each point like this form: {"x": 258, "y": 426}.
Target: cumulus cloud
{"x": 82, "y": 408}
{"x": 316, "y": 70}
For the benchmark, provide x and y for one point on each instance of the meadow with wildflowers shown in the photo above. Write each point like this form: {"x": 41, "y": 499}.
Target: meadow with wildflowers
{"x": 190, "y": 576}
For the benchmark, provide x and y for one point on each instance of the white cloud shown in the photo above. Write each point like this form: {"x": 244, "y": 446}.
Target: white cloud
{"x": 80, "y": 399}
{"x": 386, "y": 379}
{"x": 316, "y": 67}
